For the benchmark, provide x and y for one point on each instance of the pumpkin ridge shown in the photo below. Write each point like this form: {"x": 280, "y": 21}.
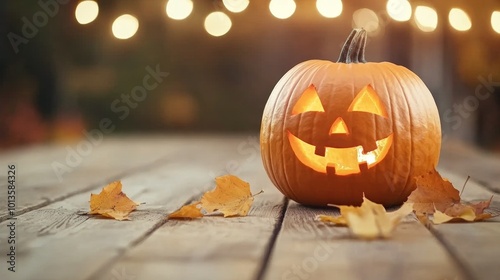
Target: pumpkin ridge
{"x": 270, "y": 154}
{"x": 287, "y": 106}
{"x": 417, "y": 82}
{"x": 392, "y": 109}
{"x": 412, "y": 147}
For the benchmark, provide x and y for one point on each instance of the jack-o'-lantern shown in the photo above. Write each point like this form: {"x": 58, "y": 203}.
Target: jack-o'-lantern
{"x": 333, "y": 131}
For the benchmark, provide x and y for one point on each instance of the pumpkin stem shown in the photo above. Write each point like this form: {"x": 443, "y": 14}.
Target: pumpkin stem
{"x": 353, "y": 50}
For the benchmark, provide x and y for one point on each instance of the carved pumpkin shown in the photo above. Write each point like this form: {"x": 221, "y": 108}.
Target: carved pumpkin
{"x": 332, "y": 132}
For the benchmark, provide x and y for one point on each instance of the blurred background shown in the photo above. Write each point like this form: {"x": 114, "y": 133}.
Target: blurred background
{"x": 189, "y": 66}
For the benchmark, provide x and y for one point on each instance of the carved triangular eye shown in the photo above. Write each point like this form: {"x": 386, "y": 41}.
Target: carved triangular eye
{"x": 309, "y": 101}
{"x": 368, "y": 101}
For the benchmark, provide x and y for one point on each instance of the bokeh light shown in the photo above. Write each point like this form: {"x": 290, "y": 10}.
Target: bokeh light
{"x": 236, "y": 6}
{"x": 125, "y": 26}
{"x": 282, "y": 9}
{"x": 399, "y": 10}
{"x": 86, "y": 12}
{"x": 329, "y": 8}
{"x": 179, "y": 9}
{"x": 459, "y": 20}
{"x": 426, "y": 18}
{"x": 367, "y": 19}
{"x": 495, "y": 21}
{"x": 217, "y": 24}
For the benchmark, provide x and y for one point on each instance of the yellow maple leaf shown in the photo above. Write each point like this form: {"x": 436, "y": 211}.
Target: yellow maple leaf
{"x": 112, "y": 202}
{"x": 190, "y": 211}
{"x": 370, "y": 220}
{"x": 231, "y": 197}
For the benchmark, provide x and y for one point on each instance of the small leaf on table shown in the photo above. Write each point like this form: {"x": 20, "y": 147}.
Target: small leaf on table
{"x": 112, "y": 202}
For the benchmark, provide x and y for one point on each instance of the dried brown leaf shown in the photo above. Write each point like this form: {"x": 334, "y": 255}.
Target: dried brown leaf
{"x": 112, "y": 202}
{"x": 190, "y": 211}
{"x": 480, "y": 206}
{"x": 469, "y": 212}
{"x": 432, "y": 193}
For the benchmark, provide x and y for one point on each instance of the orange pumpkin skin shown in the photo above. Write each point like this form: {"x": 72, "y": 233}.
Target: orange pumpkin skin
{"x": 411, "y": 122}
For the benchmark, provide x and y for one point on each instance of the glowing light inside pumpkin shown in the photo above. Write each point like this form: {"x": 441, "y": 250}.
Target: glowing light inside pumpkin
{"x": 459, "y": 19}
{"x": 368, "y": 101}
{"x": 346, "y": 161}
{"x": 329, "y": 8}
{"x": 399, "y": 10}
{"x": 495, "y": 21}
{"x": 125, "y": 26}
{"x": 236, "y": 6}
{"x": 86, "y": 12}
{"x": 339, "y": 127}
{"x": 179, "y": 9}
{"x": 282, "y": 9}
{"x": 309, "y": 101}
{"x": 426, "y": 18}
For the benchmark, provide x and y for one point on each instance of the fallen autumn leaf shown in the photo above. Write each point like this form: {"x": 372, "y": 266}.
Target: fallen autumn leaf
{"x": 231, "y": 197}
{"x": 112, "y": 202}
{"x": 190, "y": 211}
{"x": 370, "y": 220}
{"x": 432, "y": 192}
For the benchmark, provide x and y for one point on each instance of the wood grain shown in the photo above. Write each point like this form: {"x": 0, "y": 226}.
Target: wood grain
{"x": 475, "y": 246}
{"x": 38, "y": 185}
{"x": 56, "y": 243}
{"x": 307, "y": 249}
{"x": 278, "y": 240}
{"x": 464, "y": 159}
{"x": 211, "y": 247}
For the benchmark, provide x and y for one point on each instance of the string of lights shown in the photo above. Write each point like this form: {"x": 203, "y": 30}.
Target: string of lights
{"x": 219, "y": 23}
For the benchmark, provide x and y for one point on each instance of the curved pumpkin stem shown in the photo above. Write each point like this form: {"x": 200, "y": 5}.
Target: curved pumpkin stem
{"x": 353, "y": 50}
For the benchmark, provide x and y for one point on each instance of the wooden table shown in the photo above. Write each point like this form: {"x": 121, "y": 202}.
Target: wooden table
{"x": 278, "y": 240}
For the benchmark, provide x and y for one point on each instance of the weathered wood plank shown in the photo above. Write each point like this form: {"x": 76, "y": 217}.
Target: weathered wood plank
{"x": 306, "y": 249}
{"x": 483, "y": 167}
{"x": 55, "y": 243}
{"x": 212, "y": 247}
{"x": 475, "y": 245}
{"x": 38, "y": 184}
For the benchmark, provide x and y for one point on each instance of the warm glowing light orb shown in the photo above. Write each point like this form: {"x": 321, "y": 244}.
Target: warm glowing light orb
{"x": 86, "y": 11}
{"x": 399, "y": 10}
{"x": 495, "y": 21}
{"x": 329, "y": 8}
{"x": 282, "y": 9}
{"x": 459, "y": 20}
{"x": 217, "y": 24}
{"x": 125, "y": 26}
{"x": 367, "y": 19}
{"x": 426, "y": 18}
{"x": 179, "y": 9}
{"x": 236, "y": 6}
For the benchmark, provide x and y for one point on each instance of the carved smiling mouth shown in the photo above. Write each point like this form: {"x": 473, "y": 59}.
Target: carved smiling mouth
{"x": 345, "y": 161}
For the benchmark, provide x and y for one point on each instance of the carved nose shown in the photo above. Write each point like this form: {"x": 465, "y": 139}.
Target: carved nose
{"x": 339, "y": 127}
